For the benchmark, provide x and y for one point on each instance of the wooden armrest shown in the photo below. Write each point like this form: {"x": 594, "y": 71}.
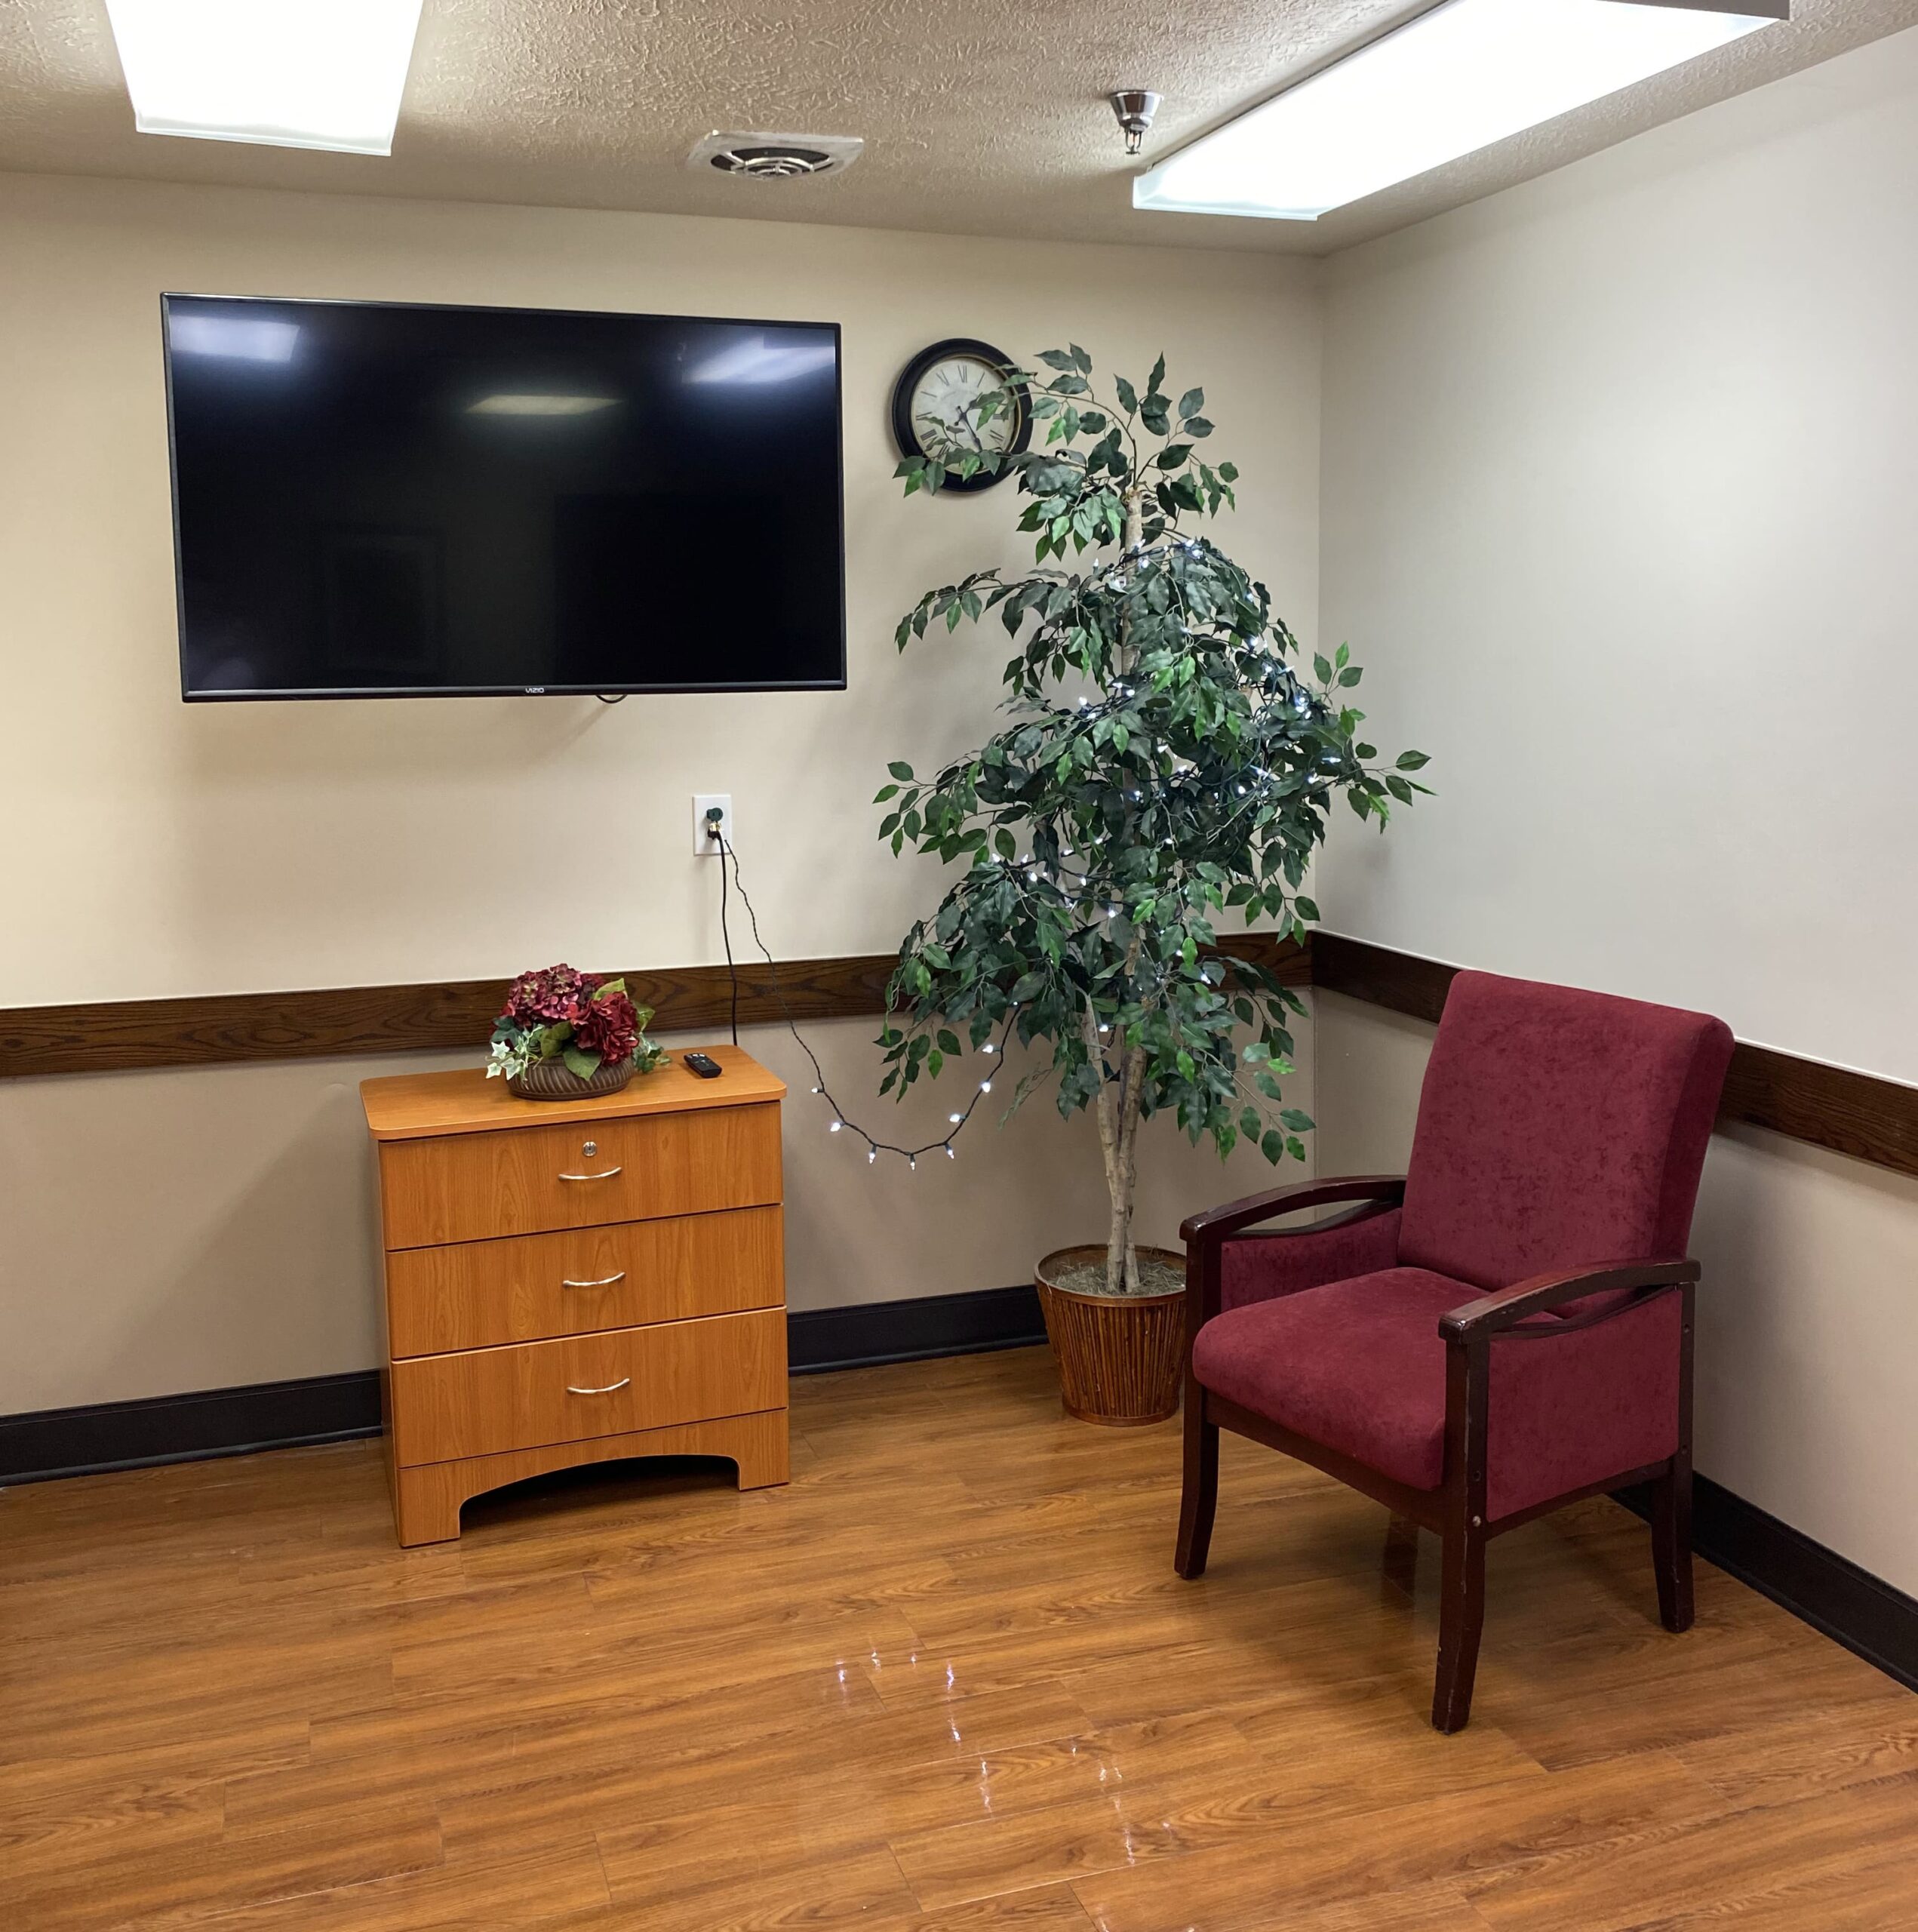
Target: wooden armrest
{"x": 1491, "y": 1315}
{"x": 1213, "y": 1226}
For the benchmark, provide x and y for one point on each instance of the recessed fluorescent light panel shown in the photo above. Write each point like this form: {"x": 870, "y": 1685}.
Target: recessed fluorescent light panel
{"x": 1456, "y": 79}
{"x": 285, "y": 73}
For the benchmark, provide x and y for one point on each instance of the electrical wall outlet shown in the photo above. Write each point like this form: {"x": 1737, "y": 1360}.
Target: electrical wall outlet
{"x": 703, "y": 803}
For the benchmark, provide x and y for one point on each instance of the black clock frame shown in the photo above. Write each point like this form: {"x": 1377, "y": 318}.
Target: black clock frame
{"x": 909, "y": 445}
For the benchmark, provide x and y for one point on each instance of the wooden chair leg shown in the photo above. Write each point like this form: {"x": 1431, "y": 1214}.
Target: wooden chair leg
{"x": 1671, "y": 1543}
{"x": 1462, "y": 1617}
{"x": 1199, "y": 1499}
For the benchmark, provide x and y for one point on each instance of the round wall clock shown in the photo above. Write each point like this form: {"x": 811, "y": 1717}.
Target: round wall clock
{"x": 931, "y": 398}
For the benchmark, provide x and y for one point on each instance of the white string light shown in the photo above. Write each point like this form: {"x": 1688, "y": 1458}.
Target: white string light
{"x": 875, "y": 1147}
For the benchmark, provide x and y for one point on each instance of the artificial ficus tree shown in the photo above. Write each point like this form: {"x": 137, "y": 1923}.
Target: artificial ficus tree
{"x": 1165, "y": 758}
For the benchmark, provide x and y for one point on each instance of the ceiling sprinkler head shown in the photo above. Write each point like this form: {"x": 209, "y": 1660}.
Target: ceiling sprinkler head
{"x": 1135, "y": 107}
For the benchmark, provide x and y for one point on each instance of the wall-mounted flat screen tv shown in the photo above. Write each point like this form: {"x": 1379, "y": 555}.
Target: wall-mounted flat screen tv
{"x": 385, "y": 500}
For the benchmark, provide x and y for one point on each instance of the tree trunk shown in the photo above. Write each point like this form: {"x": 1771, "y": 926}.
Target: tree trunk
{"x": 1131, "y": 1109}
{"x": 1109, "y": 1131}
{"x": 1119, "y": 1103}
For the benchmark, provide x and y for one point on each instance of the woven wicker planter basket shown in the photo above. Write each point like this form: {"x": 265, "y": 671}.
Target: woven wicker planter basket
{"x": 1121, "y": 1357}
{"x": 553, "y": 1080}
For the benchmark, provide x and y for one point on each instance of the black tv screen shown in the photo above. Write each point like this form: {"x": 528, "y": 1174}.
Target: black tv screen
{"x": 385, "y": 499}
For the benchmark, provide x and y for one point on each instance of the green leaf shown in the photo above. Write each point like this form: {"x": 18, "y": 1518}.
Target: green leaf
{"x": 1413, "y": 761}
{"x": 1307, "y": 908}
{"x": 579, "y": 1061}
{"x": 1351, "y": 674}
{"x": 1128, "y": 395}
{"x": 1195, "y": 425}
{"x": 900, "y": 770}
{"x": 1191, "y": 402}
{"x": 1322, "y": 669}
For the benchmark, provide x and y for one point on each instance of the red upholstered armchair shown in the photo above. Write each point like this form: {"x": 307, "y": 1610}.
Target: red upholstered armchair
{"x": 1507, "y": 1328}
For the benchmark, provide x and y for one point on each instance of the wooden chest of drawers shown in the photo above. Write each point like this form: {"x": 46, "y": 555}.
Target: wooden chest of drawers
{"x": 574, "y": 1281}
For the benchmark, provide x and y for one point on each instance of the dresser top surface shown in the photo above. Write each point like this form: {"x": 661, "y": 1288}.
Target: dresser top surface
{"x": 409, "y": 1106}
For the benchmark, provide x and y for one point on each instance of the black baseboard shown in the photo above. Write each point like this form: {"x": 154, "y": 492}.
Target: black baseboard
{"x": 1867, "y": 1615}
{"x": 185, "y": 1428}
{"x": 335, "y": 1408}
{"x": 865, "y": 1335}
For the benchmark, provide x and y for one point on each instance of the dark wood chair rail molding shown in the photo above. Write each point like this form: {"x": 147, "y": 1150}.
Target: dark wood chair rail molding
{"x": 112, "y": 1035}
{"x": 1860, "y": 1114}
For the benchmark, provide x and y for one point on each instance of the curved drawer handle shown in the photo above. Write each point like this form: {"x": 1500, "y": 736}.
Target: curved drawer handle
{"x": 604, "y": 1281}
{"x": 623, "y": 1382}
{"x": 607, "y": 1175}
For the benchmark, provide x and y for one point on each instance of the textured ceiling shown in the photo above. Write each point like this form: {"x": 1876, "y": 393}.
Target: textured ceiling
{"x": 980, "y": 116}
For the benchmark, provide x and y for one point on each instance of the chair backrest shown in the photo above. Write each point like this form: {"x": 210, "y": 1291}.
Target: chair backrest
{"x": 1556, "y": 1128}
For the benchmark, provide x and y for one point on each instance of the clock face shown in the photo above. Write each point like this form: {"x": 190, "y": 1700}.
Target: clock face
{"x": 935, "y": 405}
{"x": 942, "y": 403}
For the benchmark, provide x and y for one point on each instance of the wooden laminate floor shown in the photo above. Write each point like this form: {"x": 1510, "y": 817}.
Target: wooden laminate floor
{"x": 945, "y": 1680}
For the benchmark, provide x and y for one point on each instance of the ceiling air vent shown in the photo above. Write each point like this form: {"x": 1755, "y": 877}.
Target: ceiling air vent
{"x": 776, "y": 157}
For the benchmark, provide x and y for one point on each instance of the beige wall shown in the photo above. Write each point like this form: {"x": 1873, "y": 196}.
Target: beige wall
{"x": 168, "y": 1231}
{"x": 193, "y": 849}
{"x": 1619, "y": 488}
{"x": 1620, "y": 483}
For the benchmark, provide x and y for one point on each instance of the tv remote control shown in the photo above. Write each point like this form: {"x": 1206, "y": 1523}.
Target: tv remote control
{"x": 704, "y": 1064}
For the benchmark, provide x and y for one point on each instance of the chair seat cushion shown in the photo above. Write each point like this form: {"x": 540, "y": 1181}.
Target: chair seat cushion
{"x": 1356, "y": 1365}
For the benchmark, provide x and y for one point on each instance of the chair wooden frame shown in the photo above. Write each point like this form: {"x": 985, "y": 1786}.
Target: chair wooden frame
{"x": 1456, "y": 1510}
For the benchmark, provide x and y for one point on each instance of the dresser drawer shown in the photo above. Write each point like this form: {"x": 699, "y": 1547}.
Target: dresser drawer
{"x": 482, "y": 1400}
{"x": 478, "y": 1294}
{"x": 458, "y": 1187}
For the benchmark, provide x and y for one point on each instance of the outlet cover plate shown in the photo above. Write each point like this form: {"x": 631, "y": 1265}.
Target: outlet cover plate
{"x": 702, "y": 803}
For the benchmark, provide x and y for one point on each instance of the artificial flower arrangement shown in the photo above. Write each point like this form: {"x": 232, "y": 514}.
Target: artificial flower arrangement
{"x": 560, "y": 1018}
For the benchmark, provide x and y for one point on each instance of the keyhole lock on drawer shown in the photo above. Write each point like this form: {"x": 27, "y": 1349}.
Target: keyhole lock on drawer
{"x": 587, "y": 1153}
